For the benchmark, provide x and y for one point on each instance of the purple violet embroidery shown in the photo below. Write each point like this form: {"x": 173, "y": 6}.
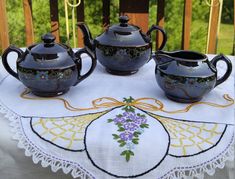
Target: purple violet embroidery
{"x": 130, "y": 127}
{"x": 119, "y": 119}
{"x": 125, "y": 136}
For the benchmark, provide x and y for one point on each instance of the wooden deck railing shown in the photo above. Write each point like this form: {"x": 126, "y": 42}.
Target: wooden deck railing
{"x": 137, "y": 10}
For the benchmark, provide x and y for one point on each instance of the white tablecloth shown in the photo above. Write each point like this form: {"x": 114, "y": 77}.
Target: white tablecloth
{"x": 13, "y": 163}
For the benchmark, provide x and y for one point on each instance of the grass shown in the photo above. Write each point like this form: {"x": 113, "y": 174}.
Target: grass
{"x": 224, "y": 40}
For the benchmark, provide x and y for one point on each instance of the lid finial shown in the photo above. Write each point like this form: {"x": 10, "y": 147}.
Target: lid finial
{"x": 48, "y": 38}
{"x": 123, "y": 20}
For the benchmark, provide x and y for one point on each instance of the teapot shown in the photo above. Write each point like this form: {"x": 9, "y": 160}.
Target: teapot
{"x": 48, "y": 68}
{"x": 123, "y": 48}
{"x": 186, "y": 76}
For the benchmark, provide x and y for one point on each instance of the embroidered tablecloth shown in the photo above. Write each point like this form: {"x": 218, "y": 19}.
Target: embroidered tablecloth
{"x": 122, "y": 127}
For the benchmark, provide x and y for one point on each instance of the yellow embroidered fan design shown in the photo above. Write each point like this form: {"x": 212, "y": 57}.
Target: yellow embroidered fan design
{"x": 189, "y": 138}
{"x": 67, "y": 132}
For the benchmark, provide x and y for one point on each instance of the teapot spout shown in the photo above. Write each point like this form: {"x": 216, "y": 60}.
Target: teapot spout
{"x": 87, "y": 38}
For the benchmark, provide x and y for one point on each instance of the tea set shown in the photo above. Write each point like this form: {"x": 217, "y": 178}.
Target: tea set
{"x": 50, "y": 69}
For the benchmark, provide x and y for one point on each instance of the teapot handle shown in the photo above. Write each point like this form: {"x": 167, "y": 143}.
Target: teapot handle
{"x": 229, "y": 67}
{"x": 79, "y": 61}
{"x": 154, "y": 27}
{"x": 5, "y": 62}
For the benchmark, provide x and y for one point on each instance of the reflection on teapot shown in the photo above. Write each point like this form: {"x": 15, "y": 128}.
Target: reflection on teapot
{"x": 186, "y": 76}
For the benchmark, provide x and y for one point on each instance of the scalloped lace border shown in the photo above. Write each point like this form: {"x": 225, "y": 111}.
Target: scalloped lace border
{"x": 77, "y": 171}
{"x": 39, "y": 156}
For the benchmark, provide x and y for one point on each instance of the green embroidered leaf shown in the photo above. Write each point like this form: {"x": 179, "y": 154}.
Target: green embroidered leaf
{"x": 128, "y": 156}
{"x": 138, "y": 114}
{"x": 125, "y": 99}
{"x": 121, "y": 129}
{"x": 110, "y": 120}
{"x": 125, "y": 108}
{"x": 119, "y": 115}
{"x": 142, "y": 115}
{"x": 131, "y": 99}
{"x": 119, "y": 125}
{"x": 144, "y": 125}
{"x": 131, "y": 109}
{"x": 115, "y": 136}
{"x": 122, "y": 144}
{"x": 128, "y": 120}
{"x": 135, "y": 141}
{"x": 136, "y": 134}
{"x": 124, "y": 152}
{"x": 131, "y": 153}
{"x": 120, "y": 141}
{"x": 128, "y": 109}
{"x": 128, "y": 100}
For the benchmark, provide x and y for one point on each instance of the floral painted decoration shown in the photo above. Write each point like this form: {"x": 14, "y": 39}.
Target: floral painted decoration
{"x": 130, "y": 126}
{"x": 42, "y": 75}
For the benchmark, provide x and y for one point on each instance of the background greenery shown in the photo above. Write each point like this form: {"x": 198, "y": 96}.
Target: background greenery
{"x": 93, "y": 17}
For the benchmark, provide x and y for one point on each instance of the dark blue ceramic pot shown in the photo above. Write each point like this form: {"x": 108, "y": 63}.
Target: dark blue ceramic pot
{"x": 123, "y": 48}
{"x": 186, "y": 76}
{"x": 48, "y": 68}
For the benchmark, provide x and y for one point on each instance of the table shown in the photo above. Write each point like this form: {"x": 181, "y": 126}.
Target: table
{"x": 15, "y": 165}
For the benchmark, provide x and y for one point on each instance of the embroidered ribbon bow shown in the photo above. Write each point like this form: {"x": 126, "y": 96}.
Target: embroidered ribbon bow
{"x": 147, "y": 104}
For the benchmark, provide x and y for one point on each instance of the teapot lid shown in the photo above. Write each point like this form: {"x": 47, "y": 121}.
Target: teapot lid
{"x": 123, "y": 34}
{"x": 123, "y": 25}
{"x": 48, "y": 46}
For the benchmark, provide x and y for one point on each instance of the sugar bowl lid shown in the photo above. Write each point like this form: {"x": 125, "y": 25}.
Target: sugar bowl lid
{"x": 123, "y": 34}
{"x": 48, "y": 46}
{"x": 48, "y": 54}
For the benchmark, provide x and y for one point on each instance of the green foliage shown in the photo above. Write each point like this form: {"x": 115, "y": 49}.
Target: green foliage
{"x": 174, "y": 22}
{"x": 93, "y": 18}
{"x": 41, "y": 18}
{"x": 227, "y": 12}
{"x": 93, "y": 15}
{"x": 198, "y": 36}
{"x": 226, "y": 39}
{"x": 16, "y": 25}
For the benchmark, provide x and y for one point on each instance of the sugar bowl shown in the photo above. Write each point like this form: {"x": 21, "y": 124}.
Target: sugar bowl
{"x": 48, "y": 68}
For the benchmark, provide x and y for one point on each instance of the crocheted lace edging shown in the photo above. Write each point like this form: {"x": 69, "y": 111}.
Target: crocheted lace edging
{"x": 77, "y": 171}
{"x": 39, "y": 156}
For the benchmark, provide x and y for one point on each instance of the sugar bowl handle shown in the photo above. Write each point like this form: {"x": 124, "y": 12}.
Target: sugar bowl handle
{"x": 228, "y": 64}
{"x": 154, "y": 27}
{"x": 5, "y": 62}
{"x": 79, "y": 61}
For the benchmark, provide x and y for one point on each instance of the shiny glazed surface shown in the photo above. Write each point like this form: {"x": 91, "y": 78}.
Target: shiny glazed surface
{"x": 122, "y": 48}
{"x": 48, "y": 68}
{"x": 186, "y": 76}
